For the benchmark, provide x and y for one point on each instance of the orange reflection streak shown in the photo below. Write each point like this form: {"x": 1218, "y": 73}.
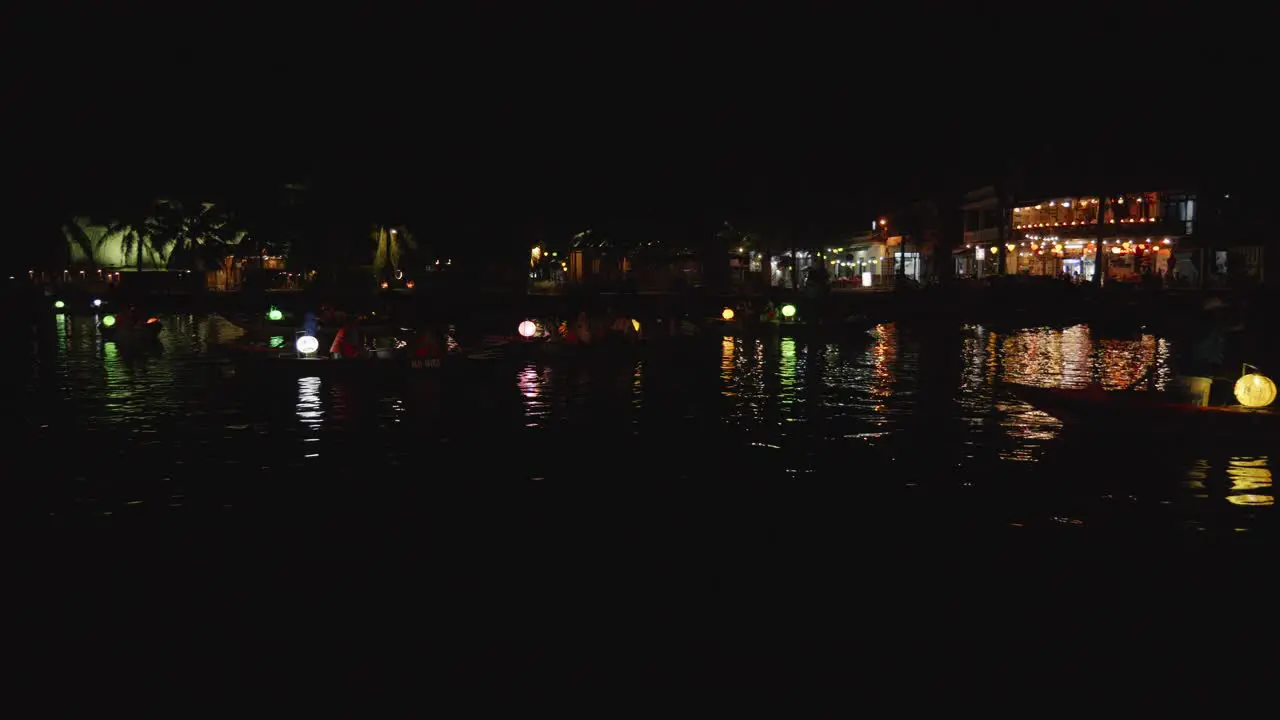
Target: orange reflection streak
{"x": 1069, "y": 358}
{"x": 727, "y": 347}
{"x": 883, "y": 353}
{"x": 1249, "y": 476}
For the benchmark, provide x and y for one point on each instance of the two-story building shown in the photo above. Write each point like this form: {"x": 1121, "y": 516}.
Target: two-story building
{"x": 1058, "y": 236}
{"x": 978, "y": 254}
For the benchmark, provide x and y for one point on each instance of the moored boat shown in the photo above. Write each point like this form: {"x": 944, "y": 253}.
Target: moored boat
{"x": 118, "y": 332}
{"x": 1145, "y": 411}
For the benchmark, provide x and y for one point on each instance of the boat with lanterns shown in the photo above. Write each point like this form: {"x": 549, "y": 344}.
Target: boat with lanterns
{"x": 786, "y": 320}
{"x": 407, "y": 353}
{"x": 1184, "y": 411}
{"x": 122, "y": 328}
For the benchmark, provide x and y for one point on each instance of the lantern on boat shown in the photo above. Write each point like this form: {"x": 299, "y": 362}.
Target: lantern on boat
{"x": 635, "y": 324}
{"x": 109, "y": 321}
{"x": 97, "y": 302}
{"x": 1255, "y": 391}
{"x": 727, "y": 314}
{"x": 788, "y": 311}
{"x": 58, "y": 304}
{"x": 527, "y": 329}
{"x": 274, "y": 315}
{"x": 307, "y": 344}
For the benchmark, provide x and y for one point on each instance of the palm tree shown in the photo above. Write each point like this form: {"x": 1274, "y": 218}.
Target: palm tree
{"x": 75, "y": 234}
{"x": 200, "y": 233}
{"x": 134, "y": 231}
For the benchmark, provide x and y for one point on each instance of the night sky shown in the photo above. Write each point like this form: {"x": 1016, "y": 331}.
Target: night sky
{"x": 502, "y": 126}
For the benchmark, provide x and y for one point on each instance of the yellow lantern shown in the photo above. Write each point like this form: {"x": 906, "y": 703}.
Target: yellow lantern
{"x": 1255, "y": 391}
{"x": 727, "y": 314}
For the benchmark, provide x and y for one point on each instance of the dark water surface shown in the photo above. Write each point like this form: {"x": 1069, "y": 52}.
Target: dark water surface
{"x": 749, "y": 484}
{"x": 914, "y": 418}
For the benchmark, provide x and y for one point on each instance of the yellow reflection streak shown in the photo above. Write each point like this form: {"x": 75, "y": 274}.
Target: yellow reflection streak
{"x": 1248, "y": 476}
{"x": 787, "y": 371}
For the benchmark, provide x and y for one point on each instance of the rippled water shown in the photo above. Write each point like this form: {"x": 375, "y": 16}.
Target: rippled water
{"x": 910, "y": 426}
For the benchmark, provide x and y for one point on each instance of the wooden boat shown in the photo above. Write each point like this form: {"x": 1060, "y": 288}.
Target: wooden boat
{"x": 144, "y": 332}
{"x": 1142, "y": 411}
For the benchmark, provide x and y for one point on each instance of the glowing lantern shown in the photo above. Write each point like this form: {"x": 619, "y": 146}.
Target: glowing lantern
{"x": 635, "y": 324}
{"x": 1255, "y": 391}
{"x": 307, "y": 344}
{"x": 409, "y": 284}
{"x": 385, "y": 284}
{"x": 97, "y": 302}
{"x": 109, "y": 321}
{"x": 788, "y": 310}
{"x": 527, "y": 329}
{"x": 58, "y": 304}
{"x": 727, "y": 314}
{"x": 152, "y": 321}
{"x": 275, "y": 315}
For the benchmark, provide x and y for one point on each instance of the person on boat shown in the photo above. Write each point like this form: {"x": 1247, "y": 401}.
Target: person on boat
{"x": 582, "y": 328}
{"x": 345, "y": 345}
{"x": 1204, "y": 357}
{"x": 126, "y": 317}
{"x": 429, "y": 346}
{"x": 621, "y": 329}
{"x": 770, "y": 313}
{"x": 1208, "y": 349}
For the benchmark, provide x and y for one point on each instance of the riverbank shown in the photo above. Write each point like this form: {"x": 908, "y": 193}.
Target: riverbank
{"x": 1121, "y": 308}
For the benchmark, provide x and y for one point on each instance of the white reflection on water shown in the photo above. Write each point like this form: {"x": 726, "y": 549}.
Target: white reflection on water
{"x": 310, "y": 412}
{"x": 533, "y": 386}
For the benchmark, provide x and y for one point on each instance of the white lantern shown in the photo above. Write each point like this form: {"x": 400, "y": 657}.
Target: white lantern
{"x": 307, "y": 344}
{"x": 1255, "y": 391}
{"x": 527, "y": 329}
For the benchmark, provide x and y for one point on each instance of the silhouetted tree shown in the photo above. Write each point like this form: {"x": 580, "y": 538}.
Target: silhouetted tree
{"x": 135, "y": 229}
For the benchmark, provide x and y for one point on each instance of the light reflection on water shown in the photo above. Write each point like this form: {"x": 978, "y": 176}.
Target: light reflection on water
{"x": 1251, "y": 482}
{"x": 926, "y": 404}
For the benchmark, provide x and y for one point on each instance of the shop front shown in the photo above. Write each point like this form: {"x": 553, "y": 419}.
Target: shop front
{"x": 1124, "y": 259}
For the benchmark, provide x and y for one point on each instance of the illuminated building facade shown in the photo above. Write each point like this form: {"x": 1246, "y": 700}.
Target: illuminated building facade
{"x": 1058, "y": 236}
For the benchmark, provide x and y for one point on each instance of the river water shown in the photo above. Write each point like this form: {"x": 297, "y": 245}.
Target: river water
{"x": 911, "y": 420}
{"x": 735, "y": 513}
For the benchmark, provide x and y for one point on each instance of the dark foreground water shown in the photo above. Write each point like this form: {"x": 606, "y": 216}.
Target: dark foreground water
{"x": 733, "y": 512}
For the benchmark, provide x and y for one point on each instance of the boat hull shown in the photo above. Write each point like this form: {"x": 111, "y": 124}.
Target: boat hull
{"x": 1138, "y": 411}
{"x": 144, "y": 333}
{"x": 854, "y": 330}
